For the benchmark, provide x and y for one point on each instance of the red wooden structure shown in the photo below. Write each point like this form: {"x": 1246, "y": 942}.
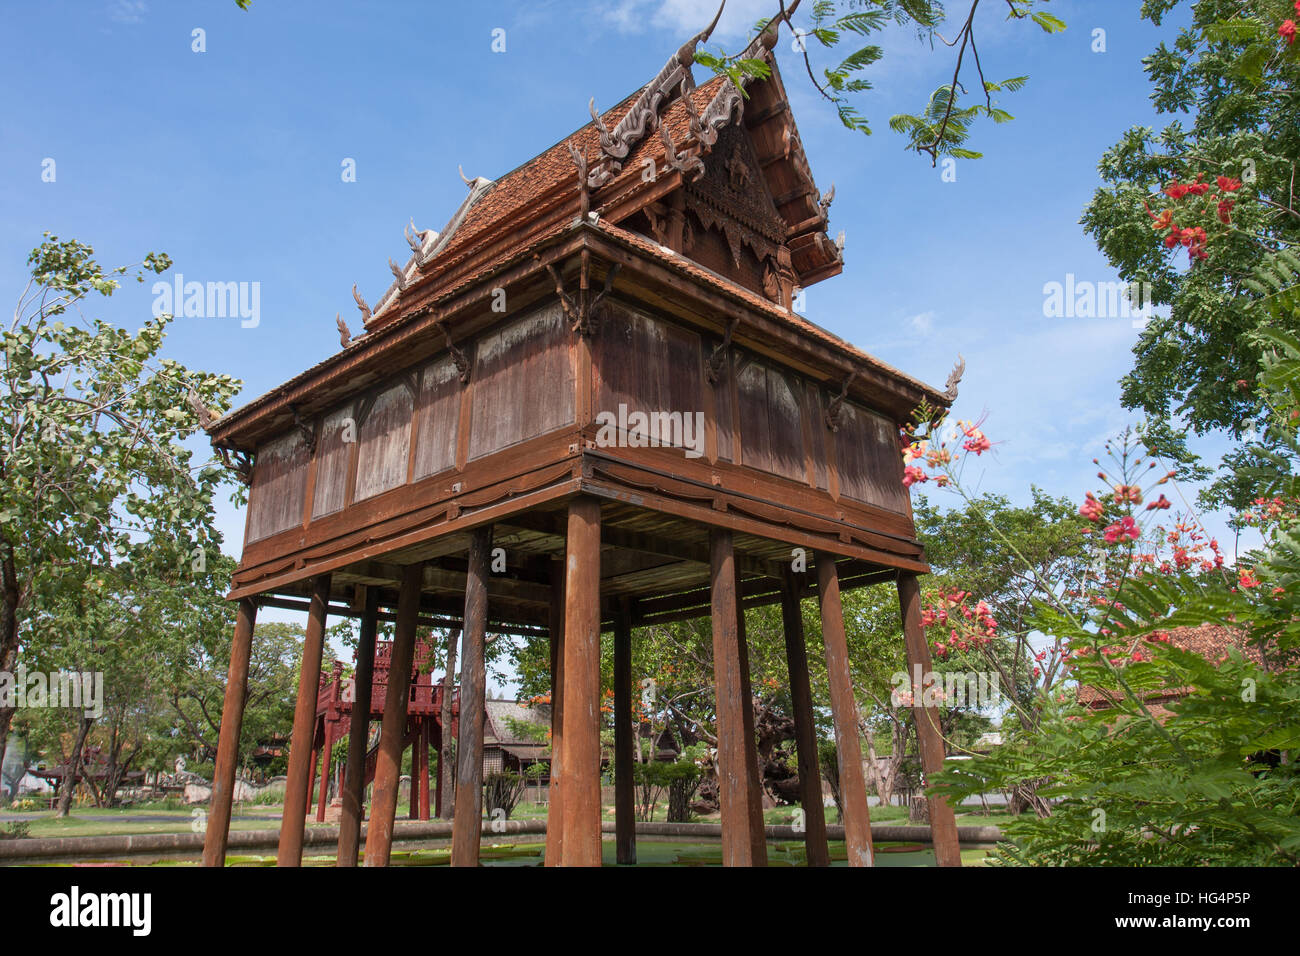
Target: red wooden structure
{"x": 335, "y": 701}
{"x": 594, "y": 378}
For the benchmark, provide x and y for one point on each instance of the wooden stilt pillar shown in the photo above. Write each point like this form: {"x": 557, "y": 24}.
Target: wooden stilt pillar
{"x": 442, "y": 771}
{"x": 446, "y": 732}
{"x": 554, "y": 808}
{"x": 413, "y": 812}
{"x": 311, "y": 776}
{"x": 297, "y": 786}
{"x": 467, "y": 826}
{"x": 943, "y": 822}
{"x": 581, "y": 687}
{"x": 232, "y": 720}
{"x": 753, "y": 778}
{"x": 326, "y": 747}
{"x": 624, "y": 739}
{"x": 844, "y": 712}
{"x": 805, "y": 733}
{"x": 738, "y": 845}
{"x": 424, "y": 767}
{"x": 354, "y": 776}
{"x": 388, "y": 762}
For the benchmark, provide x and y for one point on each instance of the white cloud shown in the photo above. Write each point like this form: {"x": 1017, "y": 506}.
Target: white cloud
{"x": 685, "y": 18}
{"x": 922, "y": 323}
{"x": 127, "y": 11}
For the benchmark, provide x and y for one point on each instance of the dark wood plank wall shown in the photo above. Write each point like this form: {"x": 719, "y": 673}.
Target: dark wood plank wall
{"x": 332, "y": 453}
{"x": 523, "y": 386}
{"x": 280, "y": 483}
{"x": 523, "y": 382}
{"x": 439, "y": 411}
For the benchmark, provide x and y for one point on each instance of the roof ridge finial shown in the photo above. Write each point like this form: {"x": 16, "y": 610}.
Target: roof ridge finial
{"x": 686, "y": 54}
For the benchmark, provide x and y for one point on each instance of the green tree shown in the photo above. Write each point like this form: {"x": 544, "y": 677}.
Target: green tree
{"x": 91, "y": 425}
{"x": 1231, "y": 88}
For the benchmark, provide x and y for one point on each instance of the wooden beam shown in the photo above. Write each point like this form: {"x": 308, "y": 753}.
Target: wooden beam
{"x": 624, "y": 739}
{"x": 554, "y": 808}
{"x": 294, "y": 817}
{"x": 805, "y": 733}
{"x": 392, "y": 732}
{"x": 844, "y": 712}
{"x": 943, "y": 822}
{"x": 354, "y": 775}
{"x": 232, "y": 719}
{"x": 467, "y": 826}
{"x": 581, "y": 688}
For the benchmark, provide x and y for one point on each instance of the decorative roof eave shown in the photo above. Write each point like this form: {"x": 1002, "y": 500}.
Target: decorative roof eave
{"x": 430, "y": 244}
{"x": 243, "y": 427}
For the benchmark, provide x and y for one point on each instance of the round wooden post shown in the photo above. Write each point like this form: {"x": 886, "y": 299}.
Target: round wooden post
{"x": 467, "y": 823}
{"x": 844, "y": 712}
{"x": 392, "y": 732}
{"x": 805, "y": 733}
{"x": 581, "y": 687}
{"x": 943, "y": 822}
{"x": 354, "y": 776}
{"x": 326, "y": 747}
{"x": 232, "y": 719}
{"x": 733, "y": 772}
{"x": 554, "y": 807}
{"x": 293, "y": 821}
{"x": 624, "y": 741}
{"x": 753, "y": 778}
{"x": 424, "y": 767}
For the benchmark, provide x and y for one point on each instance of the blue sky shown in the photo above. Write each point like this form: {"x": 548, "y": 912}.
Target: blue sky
{"x": 229, "y": 160}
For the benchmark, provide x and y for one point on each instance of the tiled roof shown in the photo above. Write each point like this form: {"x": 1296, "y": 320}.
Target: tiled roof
{"x": 1211, "y": 641}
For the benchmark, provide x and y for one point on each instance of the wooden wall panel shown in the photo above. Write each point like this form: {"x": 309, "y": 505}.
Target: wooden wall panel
{"x": 439, "y": 403}
{"x": 724, "y": 410}
{"x": 870, "y": 464}
{"x": 384, "y": 442}
{"x": 651, "y": 366}
{"x": 771, "y": 421}
{"x": 523, "y": 382}
{"x": 275, "y": 499}
{"x": 332, "y": 461}
{"x": 820, "y": 434}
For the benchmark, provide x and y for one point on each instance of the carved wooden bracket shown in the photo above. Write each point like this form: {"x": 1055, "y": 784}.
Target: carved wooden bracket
{"x": 718, "y": 358}
{"x": 835, "y": 409}
{"x": 240, "y": 462}
{"x": 584, "y": 190}
{"x": 308, "y": 433}
{"x": 457, "y": 357}
{"x": 582, "y": 310}
{"x": 361, "y": 304}
{"x": 954, "y": 379}
{"x": 688, "y": 164}
{"x": 398, "y": 274}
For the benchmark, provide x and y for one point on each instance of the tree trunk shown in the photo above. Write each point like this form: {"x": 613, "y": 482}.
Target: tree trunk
{"x": 8, "y": 637}
{"x": 70, "y": 766}
{"x": 447, "y": 754}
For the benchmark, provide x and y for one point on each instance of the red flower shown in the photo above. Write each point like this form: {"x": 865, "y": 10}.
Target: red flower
{"x": 1247, "y": 579}
{"x": 1092, "y": 509}
{"x": 1176, "y": 191}
{"x": 1161, "y": 503}
{"x": 1199, "y": 189}
{"x": 1227, "y": 183}
{"x": 1225, "y": 211}
{"x": 913, "y": 475}
{"x": 1171, "y": 240}
{"x": 1126, "y": 528}
{"x": 1287, "y": 31}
